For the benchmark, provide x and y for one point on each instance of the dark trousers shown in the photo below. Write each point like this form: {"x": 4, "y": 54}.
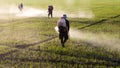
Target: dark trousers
{"x": 50, "y": 13}
{"x": 63, "y": 35}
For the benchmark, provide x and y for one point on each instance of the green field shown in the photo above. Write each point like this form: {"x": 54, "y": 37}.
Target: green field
{"x": 32, "y": 42}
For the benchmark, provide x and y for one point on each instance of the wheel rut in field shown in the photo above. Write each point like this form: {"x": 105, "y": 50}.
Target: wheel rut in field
{"x": 25, "y": 46}
{"x": 10, "y": 52}
{"x": 60, "y": 61}
{"x": 100, "y": 21}
{"x": 116, "y": 61}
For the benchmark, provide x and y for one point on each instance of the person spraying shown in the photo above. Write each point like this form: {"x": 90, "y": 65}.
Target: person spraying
{"x": 63, "y": 28}
{"x": 20, "y": 6}
{"x": 50, "y": 11}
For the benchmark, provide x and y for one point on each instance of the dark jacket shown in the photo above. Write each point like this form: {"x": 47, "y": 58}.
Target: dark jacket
{"x": 67, "y": 24}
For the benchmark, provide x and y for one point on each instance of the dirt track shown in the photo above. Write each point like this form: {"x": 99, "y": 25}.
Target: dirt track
{"x": 25, "y": 46}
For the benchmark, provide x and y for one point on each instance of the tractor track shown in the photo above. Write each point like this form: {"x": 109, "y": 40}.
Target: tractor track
{"x": 10, "y": 52}
{"x": 25, "y": 46}
{"x": 60, "y": 61}
{"x": 112, "y": 61}
{"x": 100, "y": 21}
{"x": 116, "y": 61}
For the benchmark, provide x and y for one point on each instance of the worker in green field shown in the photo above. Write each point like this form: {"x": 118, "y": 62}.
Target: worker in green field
{"x": 50, "y": 11}
{"x": 20, "y": 6}
{"x": 63, "y": 27}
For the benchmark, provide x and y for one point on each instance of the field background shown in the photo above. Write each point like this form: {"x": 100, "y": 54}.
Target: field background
{"x": 101, "y": 9}
{"x": 32, "y": 42}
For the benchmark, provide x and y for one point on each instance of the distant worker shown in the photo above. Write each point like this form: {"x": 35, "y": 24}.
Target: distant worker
{"x": 20, "y": 6}
{"x": 50, "y": 11}
{"x": 63, "y": 27}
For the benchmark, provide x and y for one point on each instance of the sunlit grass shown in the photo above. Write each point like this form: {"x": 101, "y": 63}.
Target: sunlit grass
{"x": 51, "y": 53}
{"x": 5, "y": 49}
{"x": 32, "y": 46}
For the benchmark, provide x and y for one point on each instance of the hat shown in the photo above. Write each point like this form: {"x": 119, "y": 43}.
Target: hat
{"x": 65, "y": 16}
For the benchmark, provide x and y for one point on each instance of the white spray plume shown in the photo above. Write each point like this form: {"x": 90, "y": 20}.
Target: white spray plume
{"x": 32, "y": 12}
{"x": 56, "y": 29}
{"x": 95, "y": 39}
{"x": 70, "y": 2}
{"x": 8, "y": 11}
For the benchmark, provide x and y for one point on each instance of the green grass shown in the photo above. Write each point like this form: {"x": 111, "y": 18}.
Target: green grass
{"x": 77, "y": 53}
{"x": 5, "y": 49}
{"x": 101, "y": 9}
{"x": 33, "y": 42}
